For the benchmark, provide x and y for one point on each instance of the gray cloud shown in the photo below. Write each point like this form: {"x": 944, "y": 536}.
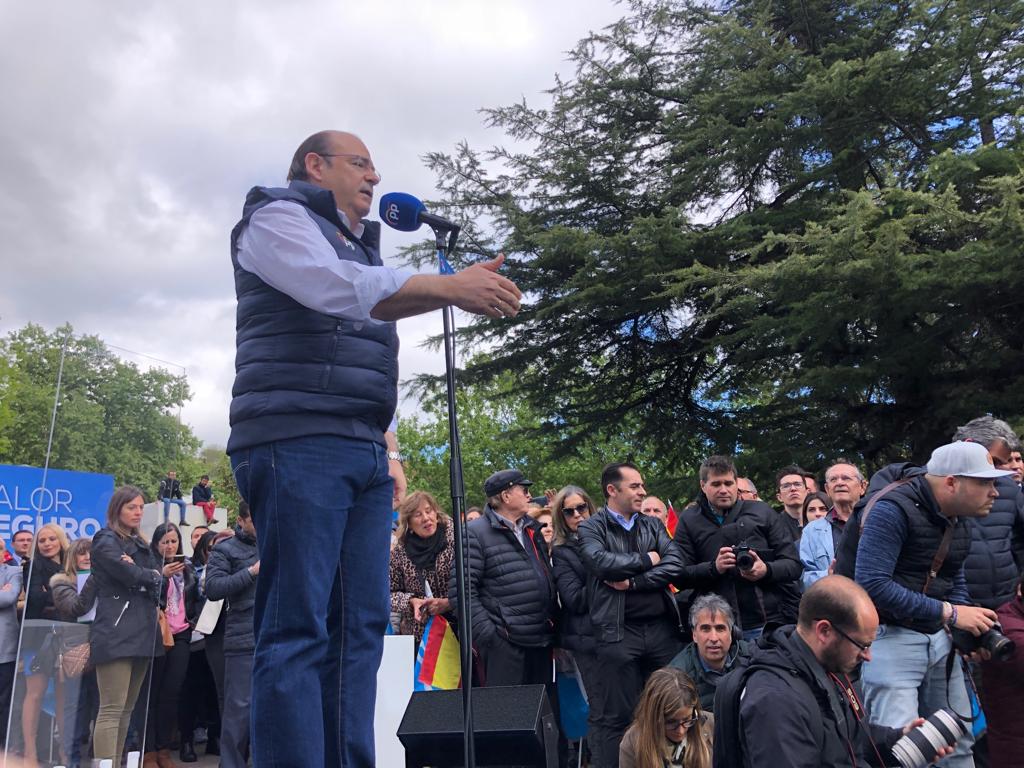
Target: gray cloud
{"x": 132, "y": 131}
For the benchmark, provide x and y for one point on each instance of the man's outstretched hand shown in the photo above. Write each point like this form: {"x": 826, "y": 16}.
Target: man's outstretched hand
{"x": 482, "y": 291}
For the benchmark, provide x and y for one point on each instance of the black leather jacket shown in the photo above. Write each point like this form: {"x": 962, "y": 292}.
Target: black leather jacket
{"x": 610, "y": 553}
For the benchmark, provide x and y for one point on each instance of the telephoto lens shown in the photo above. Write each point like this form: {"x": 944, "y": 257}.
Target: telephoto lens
{"x": 919, "y": 747}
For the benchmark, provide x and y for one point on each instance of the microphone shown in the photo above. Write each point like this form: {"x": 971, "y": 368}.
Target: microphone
{"x": 407, "y": 214}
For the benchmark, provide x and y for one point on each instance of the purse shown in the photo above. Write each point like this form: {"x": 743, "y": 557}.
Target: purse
{"x": 74, "y": 661}
{"x": 165, "y": 628}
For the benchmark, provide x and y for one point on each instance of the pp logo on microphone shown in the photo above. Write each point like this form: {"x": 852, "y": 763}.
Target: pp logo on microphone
{"x": 392, "y": 214}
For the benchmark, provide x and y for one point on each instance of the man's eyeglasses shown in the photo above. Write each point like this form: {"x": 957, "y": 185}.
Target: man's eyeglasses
{"x": 364, "y": 164}
{"x": 579, "y": 509}
{"x": 862, "y": 647}
{"x": 794, "y": 484}
{"x": 675, "y": 725}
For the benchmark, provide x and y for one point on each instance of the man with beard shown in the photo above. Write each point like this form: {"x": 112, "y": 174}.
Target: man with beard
{"x": 914, "y": 539}
{"x": 738, "y": 549}
{"x": 798, "y": 706}
{"x": 844, "y": 484}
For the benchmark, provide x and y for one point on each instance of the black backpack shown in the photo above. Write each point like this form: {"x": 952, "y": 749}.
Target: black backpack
{"x": 728, "y": 752}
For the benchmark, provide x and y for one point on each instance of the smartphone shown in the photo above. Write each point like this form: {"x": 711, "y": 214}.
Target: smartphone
{"x": 176, "y": 559}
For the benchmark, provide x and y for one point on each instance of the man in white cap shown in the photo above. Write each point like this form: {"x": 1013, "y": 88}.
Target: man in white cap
{"x": 913, "y": 543}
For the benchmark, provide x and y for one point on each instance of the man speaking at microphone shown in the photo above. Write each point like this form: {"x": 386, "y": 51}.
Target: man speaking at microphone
{"x": 312, "y": 441}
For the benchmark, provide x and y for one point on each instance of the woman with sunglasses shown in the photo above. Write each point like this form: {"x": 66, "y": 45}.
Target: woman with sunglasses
{"x": 669, "y": 730}
{"x": 570, "y": 507}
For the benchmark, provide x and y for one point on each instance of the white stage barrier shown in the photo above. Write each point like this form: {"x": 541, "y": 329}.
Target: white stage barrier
{"x": 394, "y": 688}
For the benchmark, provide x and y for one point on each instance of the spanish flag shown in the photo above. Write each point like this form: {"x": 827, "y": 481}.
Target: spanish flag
{"x": 437, "y": 660}
{"x": 673, "y": 519}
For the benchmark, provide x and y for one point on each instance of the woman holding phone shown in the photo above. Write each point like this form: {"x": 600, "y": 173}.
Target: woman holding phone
{"x": 178, "y": 599}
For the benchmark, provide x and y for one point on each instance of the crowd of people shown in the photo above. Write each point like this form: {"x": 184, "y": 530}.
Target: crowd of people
{"x": 818, "y": 633}
{"x": 130, "y": 644}
{"x": 729, "y": 633}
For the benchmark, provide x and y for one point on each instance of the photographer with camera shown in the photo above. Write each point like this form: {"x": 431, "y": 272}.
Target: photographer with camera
{"x": 914, "y": 538}
{"x": 739, "y": 549}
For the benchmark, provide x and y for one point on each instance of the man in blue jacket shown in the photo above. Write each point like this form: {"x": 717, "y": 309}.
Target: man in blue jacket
{"x": 312, "y": 442}
{"x": 910, "y": 559}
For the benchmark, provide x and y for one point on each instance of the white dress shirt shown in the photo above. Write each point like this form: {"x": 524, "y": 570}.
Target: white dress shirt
{"x": 286, "y": 249}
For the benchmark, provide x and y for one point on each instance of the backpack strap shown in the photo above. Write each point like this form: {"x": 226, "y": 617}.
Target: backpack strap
{"x": 874, "y": 499}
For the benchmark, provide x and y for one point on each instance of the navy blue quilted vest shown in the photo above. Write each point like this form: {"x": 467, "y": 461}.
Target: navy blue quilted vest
{"x": 299, "y": 372}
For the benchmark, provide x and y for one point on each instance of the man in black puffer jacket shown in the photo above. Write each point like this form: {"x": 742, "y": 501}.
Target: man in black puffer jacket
{"x": 513, "y": 597}
{"x": 231, "y": 576}
{"x": 705, "y": 537}
{"x": 997, "y": 540}
{"x": 630, "y": 562}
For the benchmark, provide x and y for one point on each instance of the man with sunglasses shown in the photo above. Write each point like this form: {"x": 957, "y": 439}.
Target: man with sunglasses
{"x": 795, "y": 704}
{"x": 313, "y": 441}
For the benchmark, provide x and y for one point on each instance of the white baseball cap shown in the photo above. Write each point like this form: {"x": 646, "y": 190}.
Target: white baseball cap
{"x": 964, "y": 459}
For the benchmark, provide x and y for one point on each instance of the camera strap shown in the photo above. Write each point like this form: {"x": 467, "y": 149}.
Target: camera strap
{"x": 968, "y": 682}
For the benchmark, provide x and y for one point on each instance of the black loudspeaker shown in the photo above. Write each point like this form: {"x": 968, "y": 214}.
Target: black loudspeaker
{"x": 512, "y": 725}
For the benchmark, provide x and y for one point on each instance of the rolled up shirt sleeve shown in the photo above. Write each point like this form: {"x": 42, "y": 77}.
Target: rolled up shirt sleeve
{"x": 285, "y": 248}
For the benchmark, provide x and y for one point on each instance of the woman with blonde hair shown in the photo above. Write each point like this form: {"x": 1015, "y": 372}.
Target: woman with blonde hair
{"x": 669, "y": 730}
{"x": 421, "y": 564}
{"x": 38, "y": 631}
{"x": 73, "y": 608}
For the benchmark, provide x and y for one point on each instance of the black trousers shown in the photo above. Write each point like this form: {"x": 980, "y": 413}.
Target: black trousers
{"x": 235, "y": 731}
{"x": 165, "y": 691}
{"x": 506, "y": 663}
{"x": 199, "y": 701}
{"x": 594, "y": 677}
{"x": 6, "y": 688}
{"x": 643, "y": 649}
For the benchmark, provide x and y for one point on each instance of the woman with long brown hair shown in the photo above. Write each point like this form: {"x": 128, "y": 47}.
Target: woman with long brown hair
{"x": 124, "y": 637}
{"x": 669, "y": 730}
{"x": 570, "y": 507}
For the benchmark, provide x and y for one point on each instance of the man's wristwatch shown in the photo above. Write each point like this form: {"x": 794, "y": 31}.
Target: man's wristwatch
{"x": 396, "y": 456}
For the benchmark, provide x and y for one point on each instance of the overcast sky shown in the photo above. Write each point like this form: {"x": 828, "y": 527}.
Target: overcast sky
{"x": 132, "y": 131}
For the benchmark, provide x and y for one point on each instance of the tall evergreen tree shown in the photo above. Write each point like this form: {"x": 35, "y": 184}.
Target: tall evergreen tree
{"x": 784, "y": 228}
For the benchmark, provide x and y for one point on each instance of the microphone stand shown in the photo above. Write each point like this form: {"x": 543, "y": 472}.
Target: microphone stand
{"x": 458, "y": 508}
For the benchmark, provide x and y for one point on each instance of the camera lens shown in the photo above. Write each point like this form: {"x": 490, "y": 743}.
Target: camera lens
{"x": 999, "y": 645}
{"x": 744, "y": 561}
{"x": 919, "y": 747}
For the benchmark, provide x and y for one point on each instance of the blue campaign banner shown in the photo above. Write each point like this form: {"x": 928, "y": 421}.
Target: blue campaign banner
{"x": 76, "y": 501}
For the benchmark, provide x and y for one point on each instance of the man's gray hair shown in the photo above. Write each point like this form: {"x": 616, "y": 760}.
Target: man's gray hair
{"x": 713, "y": 604}
{"x": 986, "y": 430}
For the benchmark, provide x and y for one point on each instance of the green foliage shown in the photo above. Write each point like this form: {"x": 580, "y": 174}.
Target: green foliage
{"x": 786, "y": 230}
{"x": 500, "y": 429}
{"x": 112, "y": 417}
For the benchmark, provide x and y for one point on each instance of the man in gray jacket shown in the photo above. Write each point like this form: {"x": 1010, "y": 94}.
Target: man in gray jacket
{"x": 10, "y": 588}
{"x": 231, "y": 576}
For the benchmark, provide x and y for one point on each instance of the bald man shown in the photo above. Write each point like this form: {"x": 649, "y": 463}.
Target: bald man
{"x": 312, "y": 440}
{"x": 808, "y": 712}
{"x": 655, "y": 507}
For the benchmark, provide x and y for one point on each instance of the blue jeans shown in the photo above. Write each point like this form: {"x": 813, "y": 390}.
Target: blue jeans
{"x": 182, "y": 507}
{"x": 322, "y": 508}
{"x": 906, "y": 678}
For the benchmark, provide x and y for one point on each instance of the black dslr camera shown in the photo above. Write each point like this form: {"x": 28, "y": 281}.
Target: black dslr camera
{"x": 744, "y": 560}
{"x": 999, "y": 646}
